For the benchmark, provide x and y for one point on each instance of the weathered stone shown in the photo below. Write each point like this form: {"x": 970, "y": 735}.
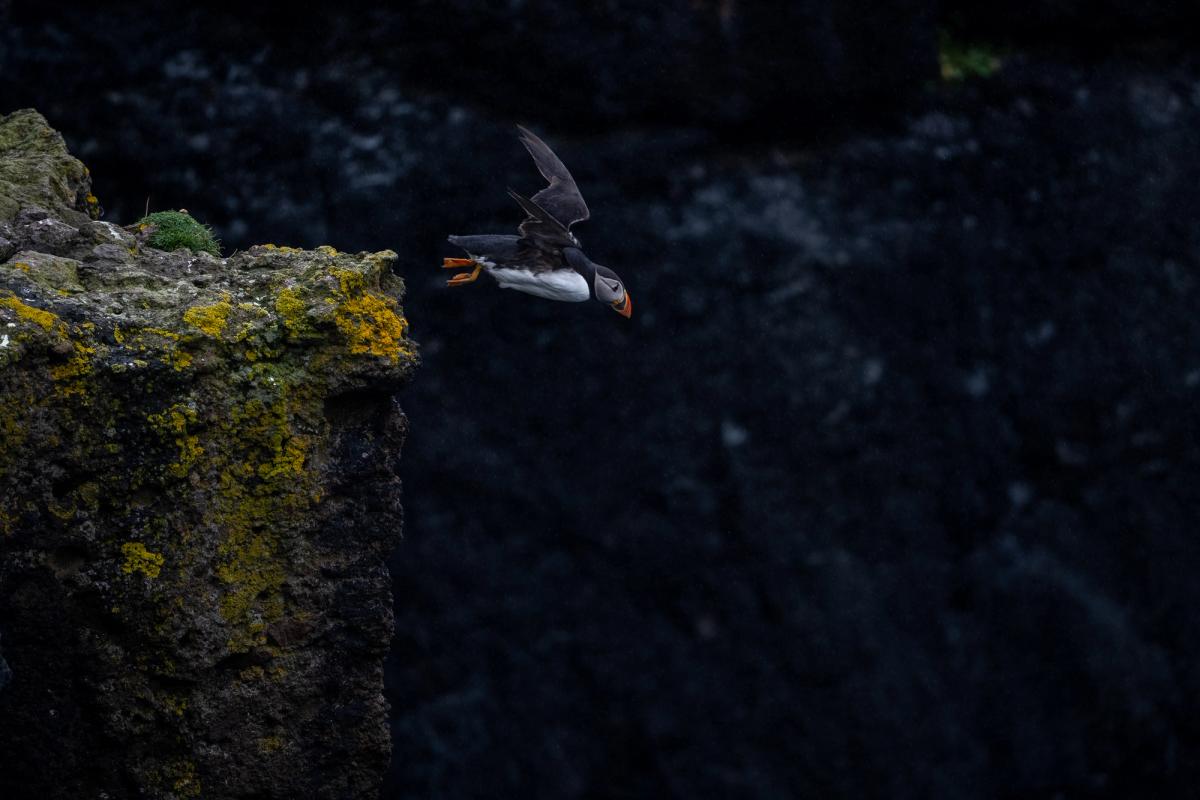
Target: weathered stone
{"x": 192, "y": 456}
{"x": 36, "y": 171}
{"x": 38, "y": 230}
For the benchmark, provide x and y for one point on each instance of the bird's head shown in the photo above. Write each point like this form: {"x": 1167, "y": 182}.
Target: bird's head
{"x": 605, "y": 285}
{"x": 608, "y": 288}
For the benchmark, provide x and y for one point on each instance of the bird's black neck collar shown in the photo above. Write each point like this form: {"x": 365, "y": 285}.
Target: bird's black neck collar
{"x": 583, "y": 265}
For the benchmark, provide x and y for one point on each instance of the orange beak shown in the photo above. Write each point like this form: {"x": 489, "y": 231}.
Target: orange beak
{"x": 624, "y": 308}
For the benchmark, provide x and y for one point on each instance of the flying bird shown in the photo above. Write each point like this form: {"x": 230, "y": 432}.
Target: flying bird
{"x": 545, "y": 259}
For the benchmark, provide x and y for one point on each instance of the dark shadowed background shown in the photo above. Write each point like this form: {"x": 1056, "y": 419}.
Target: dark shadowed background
{"x": 890, "y": 486}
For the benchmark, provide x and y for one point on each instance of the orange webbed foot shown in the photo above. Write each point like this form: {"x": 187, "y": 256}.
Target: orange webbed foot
{"x": 465, "y": 277}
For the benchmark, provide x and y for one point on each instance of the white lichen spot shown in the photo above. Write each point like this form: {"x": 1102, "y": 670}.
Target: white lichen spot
{"x": 111, "y": 230}
{"x": 4, "y": 340}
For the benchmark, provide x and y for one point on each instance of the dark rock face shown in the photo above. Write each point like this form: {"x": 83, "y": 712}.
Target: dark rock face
{"x": 710, "y": 61}
{"x": 5, "y": 672}
{"x": 718, "y": 62}
{"x": 198, "y": 489}
{"x": 888, "y": 489}
{"x": 1079, "y": 21}
{"x": 902, "y": 439}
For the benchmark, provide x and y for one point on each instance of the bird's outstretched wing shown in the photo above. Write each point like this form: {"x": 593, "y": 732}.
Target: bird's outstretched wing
{"x": 542, "y": 236}
{"x": 561, "y": 198}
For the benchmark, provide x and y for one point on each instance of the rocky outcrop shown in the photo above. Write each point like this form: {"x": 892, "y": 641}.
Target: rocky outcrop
{"x": 197, "y": 491}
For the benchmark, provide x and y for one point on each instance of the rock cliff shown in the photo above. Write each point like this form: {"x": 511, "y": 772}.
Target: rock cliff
{"x": 198, "y": 490}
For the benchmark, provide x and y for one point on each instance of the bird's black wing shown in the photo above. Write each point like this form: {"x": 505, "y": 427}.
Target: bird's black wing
{"x": 561, "y": 198}
{"x": 542, "y": 236}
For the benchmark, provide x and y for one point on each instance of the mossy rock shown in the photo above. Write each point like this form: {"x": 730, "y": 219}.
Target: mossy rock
{"x": 198, "y": 483}
{"x": 37, "y": 171}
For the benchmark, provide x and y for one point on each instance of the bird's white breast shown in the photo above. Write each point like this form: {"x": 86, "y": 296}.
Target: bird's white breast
{"x": 560, "y": 284}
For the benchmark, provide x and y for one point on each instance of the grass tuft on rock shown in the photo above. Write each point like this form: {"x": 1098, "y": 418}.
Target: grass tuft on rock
{"x": 175, "y": 230}
{"x": 961, "y": 61}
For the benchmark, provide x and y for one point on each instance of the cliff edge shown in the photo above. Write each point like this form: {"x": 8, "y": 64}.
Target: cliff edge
{"x": 198, "y": 489}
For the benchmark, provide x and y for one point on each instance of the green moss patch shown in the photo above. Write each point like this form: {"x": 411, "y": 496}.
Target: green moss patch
{"x": 176, "y": 230}
{"x": 960, "y": 61}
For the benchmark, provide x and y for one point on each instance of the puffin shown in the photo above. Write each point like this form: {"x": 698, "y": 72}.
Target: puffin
{"x": 545, "y": 258}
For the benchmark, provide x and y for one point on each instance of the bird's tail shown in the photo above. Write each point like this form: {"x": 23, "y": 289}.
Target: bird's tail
{"x": 484, "y": 244}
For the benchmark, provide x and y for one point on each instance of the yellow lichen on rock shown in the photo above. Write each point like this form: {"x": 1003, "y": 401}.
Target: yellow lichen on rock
{"x": 174, "y": 421}
{"x": 252, "y": 570}
{"x": 139, "y": 559}
{"x": 288, "y": 461}
{"x": 211, "y": 319}
{"x": 43, "y": 319}
{"x": 179, "y": 360}
{"x": 290, "y": 306}
{"x": 175, "y": 704}
{"x": 269, "y": 744}
{"x": 151, "y": 340}
{"x": 70, "y": 375}
{"x": 369, "y": 320}
{"x": 260, "y": 487}
{"x": 261, "y": 480}
{"x": 184, "y": 781}
{"x": 372, "y": 327}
